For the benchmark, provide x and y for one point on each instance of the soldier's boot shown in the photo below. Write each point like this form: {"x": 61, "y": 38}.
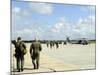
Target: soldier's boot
{"x": 18, "y": 70}
{"x": 22, "y": 67}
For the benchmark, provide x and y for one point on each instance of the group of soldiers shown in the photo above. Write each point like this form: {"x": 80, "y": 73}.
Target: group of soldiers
{"x": 52, "y": 44}
{"x": 21, "y": 50}
{"x": 35, "y": 48}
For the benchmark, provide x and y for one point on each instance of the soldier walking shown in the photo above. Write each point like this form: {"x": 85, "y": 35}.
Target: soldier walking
{"x": 51, "y": 44}
{"x": 35, "y": 49}
{"x": 57, "y": 44}
{"x": 20, "y": 51}
{"x": 47, "y": 44}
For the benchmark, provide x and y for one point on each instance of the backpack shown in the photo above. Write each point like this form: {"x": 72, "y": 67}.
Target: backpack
{"x": 22, "y": 47}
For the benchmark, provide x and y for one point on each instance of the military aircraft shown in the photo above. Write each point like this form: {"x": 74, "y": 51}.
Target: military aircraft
{"x": 82, "y": 41}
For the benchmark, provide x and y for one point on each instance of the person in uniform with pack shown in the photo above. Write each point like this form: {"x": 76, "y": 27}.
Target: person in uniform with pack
{"x": 57, "y": 44}
{"x": 20, "y": 51}
{"x": 35, "y": 49}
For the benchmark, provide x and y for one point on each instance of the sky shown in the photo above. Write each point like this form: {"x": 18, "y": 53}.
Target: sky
{"x": 52, "y": 21}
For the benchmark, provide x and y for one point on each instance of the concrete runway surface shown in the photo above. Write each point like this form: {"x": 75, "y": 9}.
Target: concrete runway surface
{"x": 65, "y": 58}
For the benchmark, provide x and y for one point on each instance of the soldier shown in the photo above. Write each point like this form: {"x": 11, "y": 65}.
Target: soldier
{"x": 68, "y": 40}
{"x": 20, "y": 51}
{"x": 47, "y": 44}
{"x": 51, "y": 44}
{"x": 57, "y": 44}
{"x": 35, "y": 49}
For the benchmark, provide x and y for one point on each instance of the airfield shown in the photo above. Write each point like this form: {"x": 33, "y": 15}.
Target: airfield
{"x": 70, "y": 57}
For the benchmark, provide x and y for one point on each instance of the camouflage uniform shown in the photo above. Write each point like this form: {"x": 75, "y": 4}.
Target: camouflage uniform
{"x": 19, "y": 54}
{"x": 35, "y": 49}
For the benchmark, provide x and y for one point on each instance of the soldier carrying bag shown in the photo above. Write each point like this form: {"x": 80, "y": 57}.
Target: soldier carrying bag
{"x": 20, "y": 49}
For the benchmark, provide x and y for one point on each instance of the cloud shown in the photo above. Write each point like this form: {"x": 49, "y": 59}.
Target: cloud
{"x": 58, "y": 26}
{"x": 92, "y": 8}
{"x": 41, "y": 8}
{"x": 88, "y": 8}
{"x": 60, "y": 29}
{"x": 28, "y": 33}
{"x": 16, "y": 10}
{"x": 21, "y": 18}
{"x": 23, "y": 24}
{"x": 85, "y": 27}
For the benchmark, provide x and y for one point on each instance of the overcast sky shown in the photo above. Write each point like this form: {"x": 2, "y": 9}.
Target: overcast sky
{"x": 49, "y": 21}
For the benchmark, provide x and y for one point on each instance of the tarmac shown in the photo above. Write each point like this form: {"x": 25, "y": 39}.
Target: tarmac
{"x": 48, "y": 63}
